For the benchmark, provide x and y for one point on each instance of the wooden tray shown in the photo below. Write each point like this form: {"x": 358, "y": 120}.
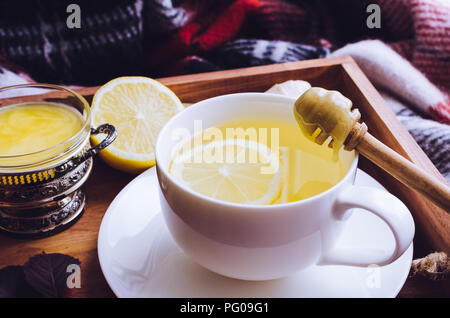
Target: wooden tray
{"x": 341, "y": 74}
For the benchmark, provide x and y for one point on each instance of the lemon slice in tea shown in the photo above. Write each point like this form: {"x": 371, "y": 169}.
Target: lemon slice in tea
{"x": 230, "y": 170}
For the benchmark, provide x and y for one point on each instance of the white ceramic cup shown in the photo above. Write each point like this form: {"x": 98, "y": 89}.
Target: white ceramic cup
{"x": 261, "y": 242}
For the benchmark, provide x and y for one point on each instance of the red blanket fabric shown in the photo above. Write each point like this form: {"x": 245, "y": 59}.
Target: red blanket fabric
{"x": 417, "y": 29}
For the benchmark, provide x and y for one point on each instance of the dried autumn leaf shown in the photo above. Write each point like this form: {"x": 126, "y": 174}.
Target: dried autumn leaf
{"x": 47, "y": 273}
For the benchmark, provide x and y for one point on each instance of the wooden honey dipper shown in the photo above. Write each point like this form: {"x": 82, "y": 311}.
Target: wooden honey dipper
{"x": 331, "y": 112}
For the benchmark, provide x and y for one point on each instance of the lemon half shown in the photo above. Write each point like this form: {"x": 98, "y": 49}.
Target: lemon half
{"x": 237, "y": 179}
{"x": 138, "y": 107}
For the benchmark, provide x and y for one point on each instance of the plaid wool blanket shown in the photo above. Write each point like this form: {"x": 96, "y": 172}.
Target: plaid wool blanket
{"x": 407, "y": 58}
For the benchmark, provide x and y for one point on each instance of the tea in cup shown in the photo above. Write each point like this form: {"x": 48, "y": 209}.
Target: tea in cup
{"x": 246, "y": 195}
{"x": 256, "y": 161}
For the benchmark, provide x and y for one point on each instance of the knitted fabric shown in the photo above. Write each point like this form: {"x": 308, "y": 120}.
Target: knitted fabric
{"x": 34, "y": 35}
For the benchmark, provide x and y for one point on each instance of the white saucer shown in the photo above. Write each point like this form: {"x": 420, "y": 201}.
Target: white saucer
{"x": 139, "y": 258}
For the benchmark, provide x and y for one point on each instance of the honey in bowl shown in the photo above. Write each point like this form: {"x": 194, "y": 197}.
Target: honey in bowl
{"x": 32, "y": 127}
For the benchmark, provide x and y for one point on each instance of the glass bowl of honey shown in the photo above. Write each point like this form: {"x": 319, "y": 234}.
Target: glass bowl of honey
{"x": 45, "y": 157}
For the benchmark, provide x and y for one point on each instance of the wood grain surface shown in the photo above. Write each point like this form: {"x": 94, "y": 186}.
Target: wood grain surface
{"x": 343, "y": 74}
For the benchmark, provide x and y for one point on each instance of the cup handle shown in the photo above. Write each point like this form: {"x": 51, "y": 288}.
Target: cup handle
{"x": 384, "y": 205}
{"x": 111, "y": 135}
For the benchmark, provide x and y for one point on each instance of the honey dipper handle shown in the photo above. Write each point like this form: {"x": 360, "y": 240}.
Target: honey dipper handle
{"x": 405, "y": 171}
